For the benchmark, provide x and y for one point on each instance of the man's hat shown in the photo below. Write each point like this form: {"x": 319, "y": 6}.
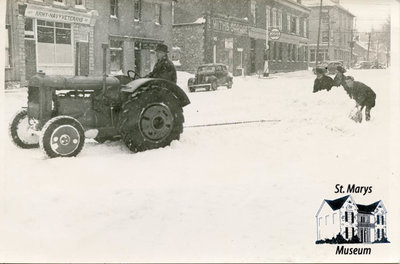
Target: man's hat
{"x": 349, "y": 78}
{"x": 162, "y": 47}
{"x": 320, "y": 70}
{"x": 341, "y": 69}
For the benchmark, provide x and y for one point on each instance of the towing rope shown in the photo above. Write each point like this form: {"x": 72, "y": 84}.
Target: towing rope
{"x": 235, "y": 123}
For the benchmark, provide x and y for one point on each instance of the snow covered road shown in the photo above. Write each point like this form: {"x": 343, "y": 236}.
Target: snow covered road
{"x": 220, "y": 194}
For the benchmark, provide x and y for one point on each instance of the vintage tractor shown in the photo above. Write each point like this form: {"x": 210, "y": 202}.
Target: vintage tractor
{"x": 62, "y": 111}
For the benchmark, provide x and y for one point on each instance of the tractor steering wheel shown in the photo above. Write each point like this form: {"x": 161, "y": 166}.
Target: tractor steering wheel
{"x": 132, "y": 75}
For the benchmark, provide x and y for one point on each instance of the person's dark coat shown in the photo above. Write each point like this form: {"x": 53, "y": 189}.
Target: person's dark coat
{"x": 325, "y": 83}
{"x": 340, "y": 80}
{"x": 164, "y": 69}
{"x": 363, "y": 94}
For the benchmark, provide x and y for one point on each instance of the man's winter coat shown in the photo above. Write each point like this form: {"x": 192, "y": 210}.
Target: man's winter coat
{"x": 164, "y": 69}
{"x": 363, "y": 94}
{"x": 340, "y": 80}
{"x": 325, "y": 83}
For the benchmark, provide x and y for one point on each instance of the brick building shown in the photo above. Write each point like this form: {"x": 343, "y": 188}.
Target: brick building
{"x": 132, "y": 28}
{"x": 207, "y": 31}
{"x": 48, "y": 36}
{"x": 66, "y": 36}
{"x": 336, "y": 31}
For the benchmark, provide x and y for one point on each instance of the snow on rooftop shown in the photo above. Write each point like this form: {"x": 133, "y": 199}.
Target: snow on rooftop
{"x": 313, "y": 3}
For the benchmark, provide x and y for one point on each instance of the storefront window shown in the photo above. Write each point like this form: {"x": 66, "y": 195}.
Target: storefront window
{"x": 293, "y": 25}
{"x": 294, "y": 48}
{"x": 54, "y": 43}
{"x": 325, "y": 36}
{"x": 116, "y": 55}
{"x": 274, "y": 18}
{"x": 79, "y": 2}
{"x": 312, "y": 54}
{"x": 7, "y": 44}
{"x": 63, "y": 36}
{"x": 45, "y": 35}
{"x": 280, "y": 20}
{"x": 114, "y": 8}
{"x": 157, "y": 14}
{"x": 253, "y": 10}
{"x": 138, "y": 10}
{"x": 29, "y": 32}
{"x": 305, "y": 54}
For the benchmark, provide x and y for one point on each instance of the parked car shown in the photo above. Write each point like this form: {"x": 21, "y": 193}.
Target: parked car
{"x": 210, "y": 77}
{"x": 378, "y": 65}
{"x": 363, "y": 65}
{"x": 332, "y": 66}
{"x": 329, "y": 66}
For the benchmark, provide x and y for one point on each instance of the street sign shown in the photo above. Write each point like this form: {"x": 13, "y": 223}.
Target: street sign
{"x": 274, "y": 34}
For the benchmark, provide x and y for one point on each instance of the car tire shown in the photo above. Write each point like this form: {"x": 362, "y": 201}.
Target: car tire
{"x": 229, "y": 85}
{"x": 214, "y": 85}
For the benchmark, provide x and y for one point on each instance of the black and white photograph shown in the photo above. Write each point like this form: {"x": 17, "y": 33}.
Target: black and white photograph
{"x": 200, "y": 131}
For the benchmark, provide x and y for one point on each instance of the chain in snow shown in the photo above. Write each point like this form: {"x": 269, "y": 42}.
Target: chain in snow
{"x": 235, "y": 123}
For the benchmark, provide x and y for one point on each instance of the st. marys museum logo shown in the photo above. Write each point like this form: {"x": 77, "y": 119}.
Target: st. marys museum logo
{"x": 343, "y": 221}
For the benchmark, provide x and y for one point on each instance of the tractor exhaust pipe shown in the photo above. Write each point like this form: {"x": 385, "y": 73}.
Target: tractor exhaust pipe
{"x": 105, "y": 48}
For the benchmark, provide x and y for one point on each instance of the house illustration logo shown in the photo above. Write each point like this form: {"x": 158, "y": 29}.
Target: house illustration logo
{"x": 344, "y": 221}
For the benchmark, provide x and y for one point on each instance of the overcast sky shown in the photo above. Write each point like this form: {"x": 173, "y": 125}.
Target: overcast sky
{"x": 369, "y": 13}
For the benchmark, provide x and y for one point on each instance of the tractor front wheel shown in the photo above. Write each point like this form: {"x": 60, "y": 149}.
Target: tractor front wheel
{"x": 20, "y": 131}
{"x": 151, "y": 119}
{"x": 62, "y": 136}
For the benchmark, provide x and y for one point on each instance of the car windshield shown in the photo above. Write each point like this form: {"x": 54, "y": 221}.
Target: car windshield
{"x": 206, "y": 69}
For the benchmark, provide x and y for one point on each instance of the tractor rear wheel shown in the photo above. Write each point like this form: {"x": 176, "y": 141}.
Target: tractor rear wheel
{"x": 62, "y": 136}
{"x": 19, "y": 131}
{"x": 151, "y": 119}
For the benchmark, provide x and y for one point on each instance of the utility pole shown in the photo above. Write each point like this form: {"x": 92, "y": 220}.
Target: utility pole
{"x": 319, "y": 34}
{"x": 369, "y": 44}
{"x": 352, "y": 44}
{"x": 351, "y": 49}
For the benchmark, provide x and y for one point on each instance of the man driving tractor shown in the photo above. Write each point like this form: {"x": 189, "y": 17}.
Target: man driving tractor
{"x": 164, "y": 68}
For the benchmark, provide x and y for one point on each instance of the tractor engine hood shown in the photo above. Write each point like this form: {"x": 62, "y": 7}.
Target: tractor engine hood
{"x": 72, "y": 83}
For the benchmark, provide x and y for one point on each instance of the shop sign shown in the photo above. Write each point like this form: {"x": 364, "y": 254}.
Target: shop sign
{"x": 274, "y": 34}
{"x": 229, "y": 26}
{"x": 57, "y": 16}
